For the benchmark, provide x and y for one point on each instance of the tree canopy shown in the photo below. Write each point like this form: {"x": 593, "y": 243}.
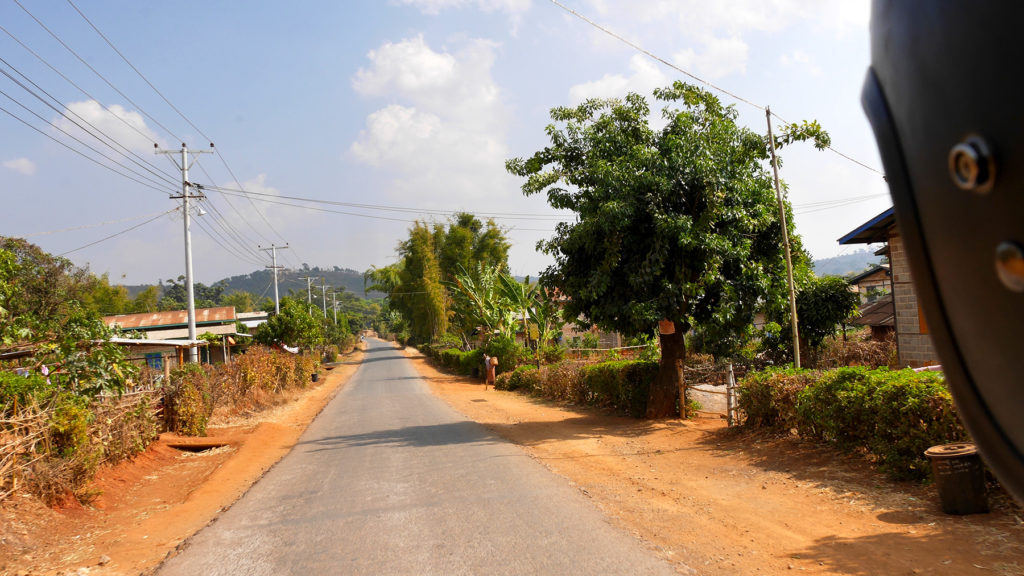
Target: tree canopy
{"x": 677, "y": 224}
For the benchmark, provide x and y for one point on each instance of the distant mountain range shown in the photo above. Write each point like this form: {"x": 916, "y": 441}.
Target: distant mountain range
{"x": 847, "y": 263}
{"x": 261, "y": 282}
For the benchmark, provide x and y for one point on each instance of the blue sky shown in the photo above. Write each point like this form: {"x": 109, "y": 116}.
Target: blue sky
{"x": 413, "y": 104}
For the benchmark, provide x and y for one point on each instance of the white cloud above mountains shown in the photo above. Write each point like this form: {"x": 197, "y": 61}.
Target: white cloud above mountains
{"x": 21, "y": 166}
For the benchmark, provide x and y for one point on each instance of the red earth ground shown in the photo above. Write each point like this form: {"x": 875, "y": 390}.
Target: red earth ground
{"x": 713, "y": 500}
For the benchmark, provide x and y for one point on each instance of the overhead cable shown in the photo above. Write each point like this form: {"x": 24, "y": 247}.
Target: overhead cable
{"x": 115, "y": 235}
{"x": 735, "y": 96}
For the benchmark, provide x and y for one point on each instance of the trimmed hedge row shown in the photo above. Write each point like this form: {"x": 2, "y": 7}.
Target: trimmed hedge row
{"x": 621, "y": 385}
{"x": 895, "y": 415}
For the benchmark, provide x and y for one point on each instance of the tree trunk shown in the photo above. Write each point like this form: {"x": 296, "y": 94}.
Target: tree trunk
{"x": 668, "y": 384}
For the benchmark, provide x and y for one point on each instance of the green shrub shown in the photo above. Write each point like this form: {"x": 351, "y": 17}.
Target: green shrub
{"x": 522, "y": 378}
{"x": 894, "y": 415}
{"x": 913, "y": 411}
{"x": 506, "y": 349}
{"x": 69, "y": 424}
{"x": 331, "y": 354}
{"x": 623, "y": 385}
{"x": 472, "y": 362}
{"x": 189, "y": 404}
{"x": 553, "y": 353}
{"x": 768, "y": 399}
{"x": 17, "y": 390}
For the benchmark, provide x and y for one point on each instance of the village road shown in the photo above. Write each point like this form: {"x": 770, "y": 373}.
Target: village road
{"x": 390, "y": 480}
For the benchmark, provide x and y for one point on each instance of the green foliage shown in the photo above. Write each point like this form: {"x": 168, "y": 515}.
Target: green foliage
{"x": 623, "y": 385}
{"x": 241, "y": 300}
{"x": 522, "y": 378}
{"x": 69, "y": 424}
{"x": 190, "y": 400}
{"x": 822, "y": 305}
{"x": 552, "y": 354}
{"x": 17, "y": 391}
{"x": 42, "y": 311}
{"x": 679, "y": 223}
{"x": 894, "y": 415}
{"x": 506, "y": 349}
{"x": 294, "y": 326}
{"x": 768, "y": 398}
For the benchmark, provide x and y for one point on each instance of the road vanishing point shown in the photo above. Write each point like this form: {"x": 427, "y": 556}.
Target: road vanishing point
{"x": 390, "y": 480}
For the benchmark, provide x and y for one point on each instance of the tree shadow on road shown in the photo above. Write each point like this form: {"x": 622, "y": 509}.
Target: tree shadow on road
{"x": 464, "y": 432}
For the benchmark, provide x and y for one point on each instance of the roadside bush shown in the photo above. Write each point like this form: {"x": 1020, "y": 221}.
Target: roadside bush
{"x": 563, "y": 382}
{"x": 767, "y": 399}
{"x": 506, "y": 349}
{"x": 522, "y": 378}
{"x": 330, "y": 354}
{"x": 622, "y": 385}
{"x": 472, "y": 363}
{"x": 893, "y": 415}
{"x": 552, "y": 353}
{"x": 69, "y": 424}
{"x": 189, "y": 402}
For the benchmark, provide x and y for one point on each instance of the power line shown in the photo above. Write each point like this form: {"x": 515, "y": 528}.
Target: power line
{"x": 65, "y": 132}
{"x": 173, "y": 107}
{"x": 146, "y": 80}
{"x": 127, "y": 153}
{"x": 407, "y": 209}
{"x": 371, "y": 216}
{"x": 73, "y": 228}
{"x": 657, "y": 58}
{"x": 116, "y": 234}
{"x": 80, "y": 89}
{"x": 96, "y": 72}
{"x": 80, "y": 153}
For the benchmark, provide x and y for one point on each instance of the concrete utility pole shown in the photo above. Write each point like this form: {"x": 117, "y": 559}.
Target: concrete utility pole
{"x": 193, "y": 353}
{"x": 309, "y": 292}
{"x": 334, "y": 296}
{"x": 323, "y": 290}
{"x": 273, "y": 251}
{"x": 785, "y": 243}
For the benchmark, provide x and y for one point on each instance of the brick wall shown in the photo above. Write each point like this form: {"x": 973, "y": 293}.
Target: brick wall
{"x": 915, "y": 348}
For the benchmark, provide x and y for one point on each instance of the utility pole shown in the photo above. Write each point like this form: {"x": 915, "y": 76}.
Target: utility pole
{"x": 785, "y": 242}
{"x": 334, "y": 296}
{"x": 273, "y": 251}
{"x": 323, "y": 290}
{"x": 309, "y": 292}
{"x": 193, "y": 352}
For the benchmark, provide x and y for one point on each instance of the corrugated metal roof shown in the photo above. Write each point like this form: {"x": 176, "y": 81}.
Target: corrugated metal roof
{"x": 881, "y": 312}
{"x": 872, "y": 231}
{"x": 173, "y": 318}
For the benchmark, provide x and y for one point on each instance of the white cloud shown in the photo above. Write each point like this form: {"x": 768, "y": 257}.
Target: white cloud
{"x": 126, "y": 127}
{"x": 645, "y": 77}
{"x": 447, "y": 133}
{"x": 720, "y": 57}
{"x": 800, "y": 59}
{"x": 433, "y": 7}
{"x": 21, "y": 166}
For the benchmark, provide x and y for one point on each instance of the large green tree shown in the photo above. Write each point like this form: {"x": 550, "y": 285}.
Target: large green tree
{"x": 679, "y": 224}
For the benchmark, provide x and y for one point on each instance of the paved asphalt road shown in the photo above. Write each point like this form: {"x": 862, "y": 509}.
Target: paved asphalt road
{"x": 390, "y": 480}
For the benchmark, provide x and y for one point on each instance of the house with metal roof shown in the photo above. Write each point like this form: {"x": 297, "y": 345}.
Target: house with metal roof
{"x": 171, "y": 329}
{"x": 913, "y": 344}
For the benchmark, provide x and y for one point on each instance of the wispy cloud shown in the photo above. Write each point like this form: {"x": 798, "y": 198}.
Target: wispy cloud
{"x": 21, "y": 166}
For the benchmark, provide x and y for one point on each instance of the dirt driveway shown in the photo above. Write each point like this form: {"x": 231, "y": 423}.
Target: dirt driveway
{"x": 729, "y": 503}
